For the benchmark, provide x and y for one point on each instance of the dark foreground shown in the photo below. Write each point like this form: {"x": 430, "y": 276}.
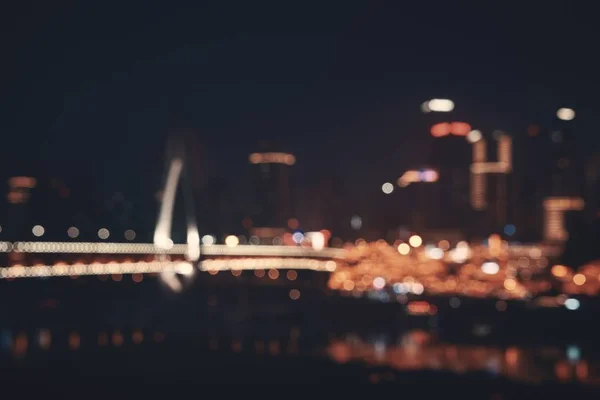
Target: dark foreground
{"x": 169, "y": 365}
{"x": 94, "y": 334}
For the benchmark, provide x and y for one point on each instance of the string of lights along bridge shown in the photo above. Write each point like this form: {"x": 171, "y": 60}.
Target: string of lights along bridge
{"x": 246, "y": 258}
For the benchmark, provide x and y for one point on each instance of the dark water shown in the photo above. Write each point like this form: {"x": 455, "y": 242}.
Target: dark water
{"x": 88, "y": 330}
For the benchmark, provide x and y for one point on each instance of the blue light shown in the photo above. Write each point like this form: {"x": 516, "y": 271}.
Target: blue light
{"x": 572, "y": 304}
{"x": 573, "y": 353}
{"x": 298, "y": 237}
{"x": 510, "y": 229}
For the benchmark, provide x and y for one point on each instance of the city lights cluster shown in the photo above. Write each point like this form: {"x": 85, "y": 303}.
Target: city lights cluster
{"x": 471, "y": 270}
{"x": 419, "y": 350}
{"x": 268, "y": 263}
{"x": 585, "y": 281}
{"x": 141, "y": 267}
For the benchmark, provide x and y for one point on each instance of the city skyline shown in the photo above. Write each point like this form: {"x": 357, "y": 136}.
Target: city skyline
{"x": 314, "y": 92}
{"x": 339, "y": 192}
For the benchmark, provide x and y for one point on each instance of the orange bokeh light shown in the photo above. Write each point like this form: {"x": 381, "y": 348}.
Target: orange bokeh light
{"x": 293, "y": 223}
{"x": 460, "y": 128}
{"x": 559, "y": 271}
{"x": 454, "y": 128}
{"x": 441, "y": 129}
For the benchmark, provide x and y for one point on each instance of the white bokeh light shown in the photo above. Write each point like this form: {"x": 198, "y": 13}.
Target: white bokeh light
{"x": 440, "y": 105}
{"x": 379, "y": 283}
{"x": 474, "y": 136}
{"x": 356, "y": 222}
{"x": 73, "y": 232}
{"x": 565, "y": 114}
{"x": 387, "y": 188}
{"x": 38, "y": 230}
{"x": 103, "y": 233}
{"x": 415, "y": 241}
{"x": 208, "y": 240}
{"x": 490, "y": 268}
{"x": 232, "y": 241}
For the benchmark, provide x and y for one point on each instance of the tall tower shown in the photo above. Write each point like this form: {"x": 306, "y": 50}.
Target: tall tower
{"x": 273, "y": 193}
{"x": 489, "y": 180}
{"x": 567, "y": 187}
{"x": 450, "y": 157}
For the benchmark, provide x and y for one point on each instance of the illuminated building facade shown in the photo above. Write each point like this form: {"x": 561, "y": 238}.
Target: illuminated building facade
{"x": 548, "y": 167}
{"x": 554, "y": 216}
{"x": 272, "y": 186}
{"x": 490, "y": 181}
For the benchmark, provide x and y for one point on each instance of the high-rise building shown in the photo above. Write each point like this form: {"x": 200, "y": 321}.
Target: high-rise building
{"x": 17, "y": 210}
{"x": 554, "y": 221}
{"x": 272, "y": 189}
{"x": 489, "y": 182}
{"x": 450, "y": 156}
{"x": 532, "y": 182}
{"x": 551, "y": 179}
{"x": 592, "y": 186}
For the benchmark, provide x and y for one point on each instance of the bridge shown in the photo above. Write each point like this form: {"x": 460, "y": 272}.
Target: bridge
{"x": 168, "y": 258}
{"x": 243, "y": 257}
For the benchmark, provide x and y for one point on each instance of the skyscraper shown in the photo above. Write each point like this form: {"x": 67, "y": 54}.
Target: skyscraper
{"x": 490, "y": 181}
{"x": 272, "y": 188}
{"x": 450, "y": 156}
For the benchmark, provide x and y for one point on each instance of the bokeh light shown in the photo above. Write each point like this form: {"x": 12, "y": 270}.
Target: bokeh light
{"x": 403, "y": 249}
{"x": 474, "y": 136}
{"x": 232, "y": 241}
{"x": 565, "y": 114}
{"x": 387, "y": 188}
{"x": 103, "y": 233}
{"x": 415, "y": 241}
{"x": 38, "y": 230}
{"x": 73, "y": 232}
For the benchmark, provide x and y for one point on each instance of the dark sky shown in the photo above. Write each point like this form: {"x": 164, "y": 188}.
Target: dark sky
{"x": 98, "y": 85}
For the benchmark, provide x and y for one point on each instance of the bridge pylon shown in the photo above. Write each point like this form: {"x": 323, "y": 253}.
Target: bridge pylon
{"x": 177, "y": 171}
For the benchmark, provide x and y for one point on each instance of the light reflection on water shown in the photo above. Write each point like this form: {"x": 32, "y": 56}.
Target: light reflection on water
{"x": 419, "y": 351}
{"x": 415, "y": 350}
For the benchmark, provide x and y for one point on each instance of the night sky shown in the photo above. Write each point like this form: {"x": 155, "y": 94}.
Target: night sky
{"x": 97, "y": 86}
